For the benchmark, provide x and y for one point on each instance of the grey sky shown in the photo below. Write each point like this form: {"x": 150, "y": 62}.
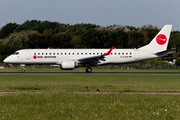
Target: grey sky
{"x": 100, "y": 12}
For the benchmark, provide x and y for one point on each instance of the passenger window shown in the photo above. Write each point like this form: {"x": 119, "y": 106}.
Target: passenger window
{"x": 73, "y": 53}
{"x": 53, "y": 53}
{"x": 115, "y": 53}
{"x": 77, "y": 53}
{"x": 42, "y": 53}
{"x": 69, "y": 53}
{"x": 49, "y": 53}
{"x": 130, "y": 53}
{"x": 119, "y": 53}
{"x": 46, "y": 53}
{"x": 93, "y": 53}
{"x": 90, "y": 53}
{"x": 38, "y": 53}
{"x": 61, "y": 53}
{"x": 126, "y": 53}
{"x": 97, "y": 53}
{"x": 86, "y": 53}
{"x": 57, "y": 53}
{"x": 122, "y": 53}
{"x": 65, "y": 53}
{"x": 111, "y": 53}
{"x": 81, "y": 53}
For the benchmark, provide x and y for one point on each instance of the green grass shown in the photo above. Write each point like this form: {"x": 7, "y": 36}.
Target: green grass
{"x": 118, "y": 83}
{"x": 63, "y": 106}
{"x": 59, "y": 105}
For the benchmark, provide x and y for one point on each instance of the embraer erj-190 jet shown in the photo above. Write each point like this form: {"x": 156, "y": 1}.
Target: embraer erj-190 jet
{"x": 69, "y": 59}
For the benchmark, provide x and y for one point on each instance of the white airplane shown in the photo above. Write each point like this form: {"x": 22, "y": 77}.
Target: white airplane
{"x": 69, "y": 59}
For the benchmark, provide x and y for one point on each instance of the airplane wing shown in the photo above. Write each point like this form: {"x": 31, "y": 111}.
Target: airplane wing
{"x": 95, "y": 59}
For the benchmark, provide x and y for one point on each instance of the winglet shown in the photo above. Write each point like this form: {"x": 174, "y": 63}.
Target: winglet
{"x": 109, "y": 52}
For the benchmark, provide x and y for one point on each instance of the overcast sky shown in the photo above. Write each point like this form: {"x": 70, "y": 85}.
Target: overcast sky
{"x": 100, "y": 12}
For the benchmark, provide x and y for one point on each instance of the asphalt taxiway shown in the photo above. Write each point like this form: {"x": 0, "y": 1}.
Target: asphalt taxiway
{"x": 93, "y": 73}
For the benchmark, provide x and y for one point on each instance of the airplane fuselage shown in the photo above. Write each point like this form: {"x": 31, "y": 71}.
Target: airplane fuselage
{"x": 53, "y": 56}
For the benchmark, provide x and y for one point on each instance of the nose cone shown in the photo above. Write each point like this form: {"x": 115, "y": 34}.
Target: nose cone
{"x": 6, "y": 60}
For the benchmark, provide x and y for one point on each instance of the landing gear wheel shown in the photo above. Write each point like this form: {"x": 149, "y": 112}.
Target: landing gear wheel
{"x": 23, "y": 67}
{"x": 88, "y": 70}
{"x": 23, "y": 71}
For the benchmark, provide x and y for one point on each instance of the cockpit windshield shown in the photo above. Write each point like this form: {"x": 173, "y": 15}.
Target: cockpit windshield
{"x": 16, "y": 53}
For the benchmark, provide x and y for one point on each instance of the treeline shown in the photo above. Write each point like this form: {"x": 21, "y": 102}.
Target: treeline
{"x": 45, "y": 34}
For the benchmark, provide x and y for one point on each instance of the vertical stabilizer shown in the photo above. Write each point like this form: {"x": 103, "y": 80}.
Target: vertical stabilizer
{"x": 160, "y": 41}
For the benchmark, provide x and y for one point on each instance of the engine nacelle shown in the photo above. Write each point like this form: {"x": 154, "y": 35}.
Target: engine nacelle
{"x": 68, "y": 65}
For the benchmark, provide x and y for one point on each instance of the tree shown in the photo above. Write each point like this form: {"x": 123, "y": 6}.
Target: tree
{"x": 175, "y": 41}
{"x": 48, "y": 25}
{"x": 7, "y": 29}
{"x": 16, "y": 41}
{"x": 177, "y": 62}
{"x": 94, "y": 38}
{"x": 76, "y": 42}
{"x": 120, "y": 38}
{"x": 61, "y": 40}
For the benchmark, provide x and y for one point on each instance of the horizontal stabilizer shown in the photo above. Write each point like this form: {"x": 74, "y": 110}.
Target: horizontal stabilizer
{"x": 166, "y": 52}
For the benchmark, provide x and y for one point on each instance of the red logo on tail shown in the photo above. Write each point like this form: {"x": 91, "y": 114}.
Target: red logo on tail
{"x": 161, "y": 39}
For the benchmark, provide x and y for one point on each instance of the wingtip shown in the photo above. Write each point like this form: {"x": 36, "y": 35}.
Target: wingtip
{"x": 109, "y": 52}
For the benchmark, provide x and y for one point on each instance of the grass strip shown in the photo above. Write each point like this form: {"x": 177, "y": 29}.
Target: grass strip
{"x": 63, "y": 106}
{"x": 106, "y": 83}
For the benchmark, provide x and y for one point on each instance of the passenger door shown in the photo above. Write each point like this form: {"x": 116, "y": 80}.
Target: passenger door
{"x": 28, "y": 54}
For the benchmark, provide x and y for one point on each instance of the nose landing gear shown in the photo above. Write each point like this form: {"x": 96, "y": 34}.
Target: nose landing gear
{"x": 23, "y": 68}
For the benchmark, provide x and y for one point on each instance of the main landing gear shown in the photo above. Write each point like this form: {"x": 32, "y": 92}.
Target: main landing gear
{"x": 88, "y": 70}
{"x": 23, "y": 68}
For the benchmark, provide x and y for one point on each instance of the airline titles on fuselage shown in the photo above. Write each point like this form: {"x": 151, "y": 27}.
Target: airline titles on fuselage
{"x": 35, "y": 57}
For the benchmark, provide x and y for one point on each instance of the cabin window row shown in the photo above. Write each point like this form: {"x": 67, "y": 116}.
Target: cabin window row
{"x": 81, "y": 53}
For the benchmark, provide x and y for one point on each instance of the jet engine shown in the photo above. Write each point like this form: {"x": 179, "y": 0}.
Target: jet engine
{"x": 68, "y": 65}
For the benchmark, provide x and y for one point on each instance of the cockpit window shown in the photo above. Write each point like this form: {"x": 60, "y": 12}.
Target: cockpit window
{"x": 16, "y": 53}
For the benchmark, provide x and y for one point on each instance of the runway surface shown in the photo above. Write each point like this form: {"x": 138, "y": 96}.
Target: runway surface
{"x": 93, "y": 73}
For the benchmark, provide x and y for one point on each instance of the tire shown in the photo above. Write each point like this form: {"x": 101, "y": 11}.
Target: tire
{"x": 88, "y": 70}
{"x": 23, "y": 71}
